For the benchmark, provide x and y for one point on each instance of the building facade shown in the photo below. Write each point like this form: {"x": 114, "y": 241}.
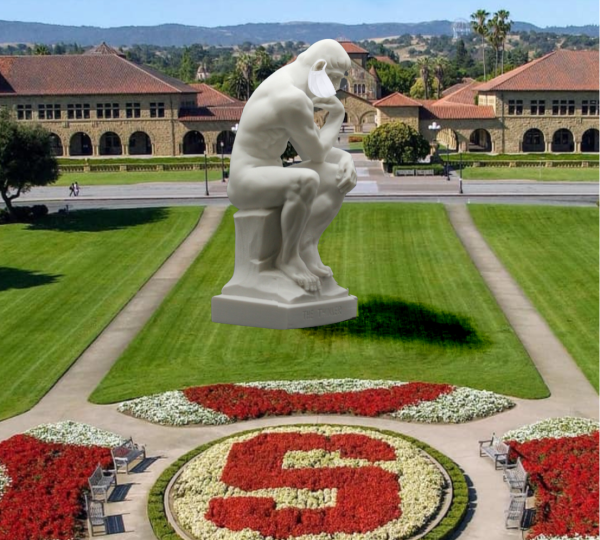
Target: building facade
{"x": 100, "y": 104}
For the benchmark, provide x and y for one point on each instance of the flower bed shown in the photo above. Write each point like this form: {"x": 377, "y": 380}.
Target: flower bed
{"x": 326, "y": 482}
{"x": 47, "y": 470}
{"x": 222, "y": 403}
{"x": 563, "y": 470}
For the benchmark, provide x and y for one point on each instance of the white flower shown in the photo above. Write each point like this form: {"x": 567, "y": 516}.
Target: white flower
{"x": 421, "y": 484}
{"x": 553, "y": 428}
{"x": 460, "y": 405}
{"x": 172, "y": 409}
{"x": 323, "y": 386}
{"x": 5, "y": 480}
{"x": 75, "y": 433}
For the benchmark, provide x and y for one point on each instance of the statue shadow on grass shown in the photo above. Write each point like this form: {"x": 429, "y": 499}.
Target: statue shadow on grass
{"x": 15, "y": 278}
{"x": 99, "y": 220}
{"x": 391, "y": 318}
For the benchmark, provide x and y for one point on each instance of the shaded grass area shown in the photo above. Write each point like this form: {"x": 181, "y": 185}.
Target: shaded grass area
{"x": 61, "y": 282}
{"x": 425, "y": 315}
{"x": 543, "y": 174}
{"x": 122, "y": 178}
{"x": 553, "y": 254}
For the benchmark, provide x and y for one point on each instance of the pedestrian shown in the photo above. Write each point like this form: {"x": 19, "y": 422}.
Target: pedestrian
{"x": 76, "y": 189}
{"x": 71, "y": 190}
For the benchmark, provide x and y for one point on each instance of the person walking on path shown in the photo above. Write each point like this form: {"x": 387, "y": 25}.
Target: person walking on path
{"x": 72, "y": 190}
{"x": 76, "y": 189}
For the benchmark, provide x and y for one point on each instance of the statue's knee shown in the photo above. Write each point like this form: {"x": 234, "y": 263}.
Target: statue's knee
{"x": 306, "y": 185}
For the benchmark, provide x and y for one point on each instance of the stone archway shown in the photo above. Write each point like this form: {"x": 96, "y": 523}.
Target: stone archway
{"x": 368, "y": 121}
{"x": 110, "y": 144}
{"x": 193, "y": 143}
{"x": 480, "y": 141}
{"x": 56, "y": 145}
{"x": 225, "y": 142}
{"x": 140, "y": 144}
{"x": 562, "y": 141}
{"x": 449, "y": 138}
{"x": 80, "y": 145}
{"x": 589, "y": 141}
{"x": 533, "y": 141}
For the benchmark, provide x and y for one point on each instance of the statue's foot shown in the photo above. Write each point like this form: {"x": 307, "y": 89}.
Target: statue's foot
{"x": 311, "y": 257}
{"x": 296, "y": 269}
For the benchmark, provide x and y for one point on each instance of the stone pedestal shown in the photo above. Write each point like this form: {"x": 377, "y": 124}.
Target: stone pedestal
{"x": 260, "y": 295}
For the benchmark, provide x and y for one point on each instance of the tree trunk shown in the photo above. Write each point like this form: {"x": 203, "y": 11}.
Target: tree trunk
{"x": 483, "y": 46}
{"x": 502, "y": 61}
{"x": 8, "y": 202}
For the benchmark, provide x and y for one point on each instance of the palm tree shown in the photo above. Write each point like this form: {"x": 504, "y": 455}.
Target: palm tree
{"x": 505, "y": 26}
{"x": 494, "y": 36}
{"x": 41, "y": 50}
{"x": 245, "y": 65}
{"x": 478, "y": 24}
{"x": 424, "y": 64}
{"x": 439, "y": 69}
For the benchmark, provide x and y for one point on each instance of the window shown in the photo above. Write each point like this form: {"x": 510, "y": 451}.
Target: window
{"x": 555, "y": 106}
{"x": 538, "y": 106}
{"x": 107, "y": 110}
{"x": 24, "y": 112}
{"x": 133, "y": 110}
{"x": 589, "y": 107}
{"x": 157, "y": 110}
{"x": 49, "y": 112}
{"x": 594, "y": 107}
{"x": 571, "y": 107}
{"x": 515, "y": 106}
{"x": 78, "y": 111}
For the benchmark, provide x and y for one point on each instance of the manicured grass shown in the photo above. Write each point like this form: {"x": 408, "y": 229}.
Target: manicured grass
{"x": 553, "y": 254}
{"x": 543, "y": 174}
{"x": 425, "y": 315}
{"x": 63, "y": 279}
{"x": 120, "y": 178}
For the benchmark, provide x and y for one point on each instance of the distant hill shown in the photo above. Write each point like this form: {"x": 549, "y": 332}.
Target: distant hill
{"x": 179, "y": 35}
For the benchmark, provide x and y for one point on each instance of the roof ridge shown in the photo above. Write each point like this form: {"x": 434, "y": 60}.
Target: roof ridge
{"x": 142, "y": 69}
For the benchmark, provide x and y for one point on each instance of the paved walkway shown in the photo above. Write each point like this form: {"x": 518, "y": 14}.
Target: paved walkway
{"x": 68, "y": 399}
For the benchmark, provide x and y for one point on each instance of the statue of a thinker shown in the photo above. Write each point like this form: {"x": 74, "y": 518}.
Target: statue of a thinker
{"x": 279, "y": 279}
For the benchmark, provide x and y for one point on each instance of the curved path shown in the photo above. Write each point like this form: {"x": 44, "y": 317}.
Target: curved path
{"x": 571, "y": 393}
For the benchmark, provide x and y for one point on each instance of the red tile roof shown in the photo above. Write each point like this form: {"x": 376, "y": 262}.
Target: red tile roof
{"x": 397, "y": 100}
{"x": 210, "y": 97}
{"x": 92, "y": 74}
{"x": 464, "y": 95}
{"x": 456, "y": 112}
{"x": 559, "y": 70}
{"x": 454, "y": 88}
{"x": 385, "y": 60}
{"x": 211, "y": 114}
{"x": 351, "y": 48}
{"x": 103, "y": 48}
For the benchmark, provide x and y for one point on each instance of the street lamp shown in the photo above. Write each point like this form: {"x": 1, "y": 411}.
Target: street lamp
{"x": 222, "y": 162}
{"x": 435, "y": 128}
{"x": 206, "y": 173}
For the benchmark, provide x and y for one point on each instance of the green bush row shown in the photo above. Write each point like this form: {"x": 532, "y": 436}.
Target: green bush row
{"x": 451, "y": 521}
{"x": 140, "y": 161}
{"x": 137, "y": 167}
{"x": 435, "y": 167}
{"x": 477, "y": 156}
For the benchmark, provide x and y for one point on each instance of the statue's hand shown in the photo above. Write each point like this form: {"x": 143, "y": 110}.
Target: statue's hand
{"x": 346, "y": 174}
{"x": 331, "y": 104}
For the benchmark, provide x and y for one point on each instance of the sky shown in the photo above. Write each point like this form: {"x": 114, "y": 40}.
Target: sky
{"x": 108, "y": 13}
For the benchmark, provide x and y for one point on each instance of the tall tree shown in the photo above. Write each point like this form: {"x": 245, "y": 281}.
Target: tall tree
{"x": 494, "y": 36}
{"x": 245, "y": 66}
{"x": 26, "y": 159}
{"x": 187, "y": 68}
{"x": 424, "y": 64}
{"x": 505, "y": 27}
{"x": 440, "y": 66}
{"x": 41, "y": 50}
{"x": 479, "y": 26}
{"x": 263, "y": 65}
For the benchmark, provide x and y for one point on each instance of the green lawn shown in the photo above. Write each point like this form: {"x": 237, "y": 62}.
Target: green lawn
{"x": 114, "y": 178}
{"x": 478, "y": 156}
{"x": 544, "y": 174}
{"x": 553, "y": 254}
{"x": 64, "y": 279}
{"x": 425, "y": 314}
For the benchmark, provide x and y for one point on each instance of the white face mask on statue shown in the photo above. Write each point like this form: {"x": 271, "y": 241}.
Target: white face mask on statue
{"x": 319, "y": 82}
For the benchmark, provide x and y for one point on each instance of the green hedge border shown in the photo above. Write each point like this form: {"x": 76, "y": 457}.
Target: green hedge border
{"x": 451, "y": 521}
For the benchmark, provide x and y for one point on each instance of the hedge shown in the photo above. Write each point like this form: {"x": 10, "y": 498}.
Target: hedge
{"x": 450, "y": 522}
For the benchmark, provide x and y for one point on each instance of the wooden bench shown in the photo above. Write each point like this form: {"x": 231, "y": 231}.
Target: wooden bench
{"x": 405, "y": 172}
{"x": 95, "y": 515}
{"x": 100, "y": 482}
{"x": 515, "y": 511}
{"x": 516, "y": 476}
{"x": 495, "y": 449}
{"x": 127, "y": 453}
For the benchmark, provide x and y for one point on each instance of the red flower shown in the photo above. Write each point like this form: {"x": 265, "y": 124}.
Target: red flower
{"x": 245, "y": 402}
{"x": 44, "y": 498}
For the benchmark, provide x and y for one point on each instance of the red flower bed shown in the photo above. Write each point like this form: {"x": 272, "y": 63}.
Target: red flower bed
{"x": 44, "y": 498}
{"x": 244, "y": 402}
{"x": 367, "y": 497}
{"x": 564, "y": 473}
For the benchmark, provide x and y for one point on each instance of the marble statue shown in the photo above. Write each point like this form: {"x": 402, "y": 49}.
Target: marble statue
{"x": 279, "y": 279}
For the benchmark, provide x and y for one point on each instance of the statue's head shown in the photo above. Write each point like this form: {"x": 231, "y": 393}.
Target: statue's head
{"x": 329, "y": 50}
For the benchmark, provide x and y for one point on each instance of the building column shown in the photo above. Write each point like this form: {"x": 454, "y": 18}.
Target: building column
{"x": 577, "y": 147}
{"x": 95, "y": 150}
{"x": 548, "y": 147}
{"x": 124, "y": 149}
